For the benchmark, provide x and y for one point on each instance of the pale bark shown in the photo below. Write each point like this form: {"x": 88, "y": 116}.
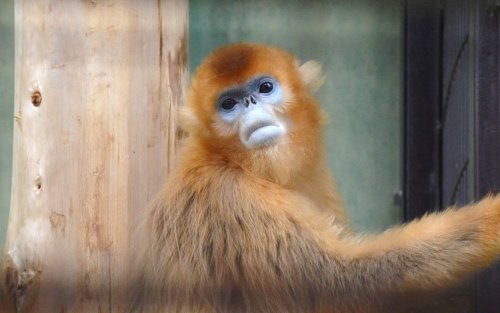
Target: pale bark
{"x": 97, "y": 86}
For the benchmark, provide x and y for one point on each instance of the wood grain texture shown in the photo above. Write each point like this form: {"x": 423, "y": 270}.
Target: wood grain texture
{"x": 96, "y": 90}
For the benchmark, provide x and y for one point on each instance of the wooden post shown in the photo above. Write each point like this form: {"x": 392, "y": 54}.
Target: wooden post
{"x": 97, "y": 86}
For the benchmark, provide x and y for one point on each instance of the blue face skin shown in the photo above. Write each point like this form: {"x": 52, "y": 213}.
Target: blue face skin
{"x": 253, "y": 106}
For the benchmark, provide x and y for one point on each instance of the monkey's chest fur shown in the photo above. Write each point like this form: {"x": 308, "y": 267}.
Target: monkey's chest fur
{"x": 226, "y": 244}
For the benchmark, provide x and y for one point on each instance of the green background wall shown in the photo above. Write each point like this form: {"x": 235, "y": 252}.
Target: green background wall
{"x": 358, "y": 42}
{"x": 6, "y": 108}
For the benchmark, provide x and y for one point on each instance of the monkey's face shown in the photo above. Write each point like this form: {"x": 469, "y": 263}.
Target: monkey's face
{"x": 250, "y": 100}
{"x": 253, "y": 111}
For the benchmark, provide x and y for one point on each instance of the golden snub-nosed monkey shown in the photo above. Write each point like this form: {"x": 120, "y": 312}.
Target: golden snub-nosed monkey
{"x": 249, "y": 221}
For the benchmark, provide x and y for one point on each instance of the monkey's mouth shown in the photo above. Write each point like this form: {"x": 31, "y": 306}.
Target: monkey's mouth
{"x": 261, "y": 134}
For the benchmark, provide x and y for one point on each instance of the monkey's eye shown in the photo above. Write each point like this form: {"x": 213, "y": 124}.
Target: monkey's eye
{"x": 228, "y": 104}
{"x": 266, "y": 87}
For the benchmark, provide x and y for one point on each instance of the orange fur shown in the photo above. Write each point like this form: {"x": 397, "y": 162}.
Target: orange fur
{"x": 238, "y": 230}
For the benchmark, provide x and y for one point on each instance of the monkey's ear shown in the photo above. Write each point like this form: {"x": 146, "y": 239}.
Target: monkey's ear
{"x": 312, "y": 74}
{"x": 187, "y": 118}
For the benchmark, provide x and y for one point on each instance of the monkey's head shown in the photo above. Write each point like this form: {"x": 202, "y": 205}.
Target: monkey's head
{"x": 253, "y": 103}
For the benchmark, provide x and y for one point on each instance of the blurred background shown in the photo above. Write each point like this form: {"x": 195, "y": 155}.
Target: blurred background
{"x": 359, "y": 43}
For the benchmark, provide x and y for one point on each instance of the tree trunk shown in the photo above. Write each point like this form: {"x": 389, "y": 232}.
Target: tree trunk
{"x": 97, "y": 86}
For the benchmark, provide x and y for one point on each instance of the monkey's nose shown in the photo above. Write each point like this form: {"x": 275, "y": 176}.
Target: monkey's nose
{"x": 248, "y": 100}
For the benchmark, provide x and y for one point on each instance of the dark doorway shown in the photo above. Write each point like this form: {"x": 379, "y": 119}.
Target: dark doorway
{"x": 452, "y": 115}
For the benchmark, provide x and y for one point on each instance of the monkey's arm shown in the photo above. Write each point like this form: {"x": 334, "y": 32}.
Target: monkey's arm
{"x": 424, "y": 255}
{"x": 255, "y": 239}
{"x": 435, "y": 250}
